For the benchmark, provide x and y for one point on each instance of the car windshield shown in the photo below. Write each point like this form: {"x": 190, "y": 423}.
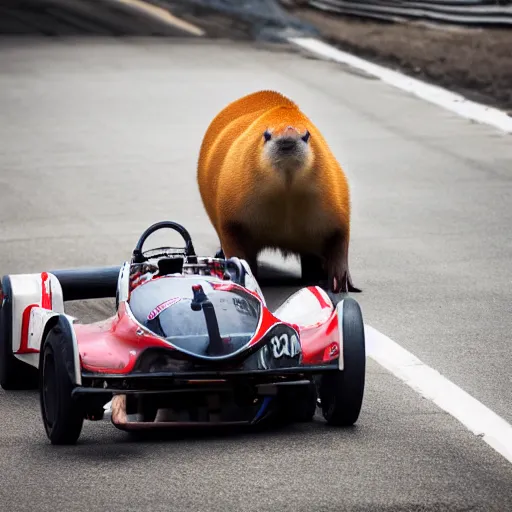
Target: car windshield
{"x": 164, "y": 307}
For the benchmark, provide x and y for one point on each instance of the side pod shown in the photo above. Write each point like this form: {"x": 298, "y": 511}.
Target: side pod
{"x": 27, "y": 301}
{"x": 306, "y": 307}
{"x": 31, "y": 300}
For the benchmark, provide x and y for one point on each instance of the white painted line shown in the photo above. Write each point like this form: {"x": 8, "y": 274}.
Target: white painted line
{"x": 163, "y": 15}
{"x": 432, "y": 93}
{"x": 475, "y": 416}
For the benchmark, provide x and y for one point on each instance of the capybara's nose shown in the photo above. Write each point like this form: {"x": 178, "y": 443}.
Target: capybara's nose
{"x": 290, "y": 132}
{"x": 287, "y": 144}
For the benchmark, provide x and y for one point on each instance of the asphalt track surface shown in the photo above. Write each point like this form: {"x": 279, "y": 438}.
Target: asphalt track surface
{"x": 99, "y": 139}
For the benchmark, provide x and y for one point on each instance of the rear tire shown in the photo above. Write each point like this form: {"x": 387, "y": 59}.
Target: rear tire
{"x": 341, "y": 392}
{"x": 63, "y": 418}
{"x": 14, "y": 374}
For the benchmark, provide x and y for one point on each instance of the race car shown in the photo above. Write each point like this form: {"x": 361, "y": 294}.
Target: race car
{"x": 192, "y": 343}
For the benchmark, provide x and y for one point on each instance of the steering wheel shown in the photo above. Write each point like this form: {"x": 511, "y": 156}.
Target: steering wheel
{"x": 140, "y": 257}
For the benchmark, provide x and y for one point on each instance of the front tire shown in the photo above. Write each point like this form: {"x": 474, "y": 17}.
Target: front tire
{"x": 62, "y": 417}
{"x": 341, "y": 392}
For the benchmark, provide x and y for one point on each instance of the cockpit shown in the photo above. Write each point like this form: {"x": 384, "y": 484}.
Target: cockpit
{"x": 200, "y": 316}
{"x": 199, "y": 305}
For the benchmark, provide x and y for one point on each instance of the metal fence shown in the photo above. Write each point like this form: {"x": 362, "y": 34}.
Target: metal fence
{"x": 468, "y": 12}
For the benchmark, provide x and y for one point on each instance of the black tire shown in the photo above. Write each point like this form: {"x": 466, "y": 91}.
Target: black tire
{"x": 341, "y": 393}
{"x": 305, "y": 408}
{"x": 62, "y": 416}
{"x": 14, "y": 374}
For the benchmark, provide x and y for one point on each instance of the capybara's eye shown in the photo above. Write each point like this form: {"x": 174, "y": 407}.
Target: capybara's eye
{"x": 305, "y": 137}
{"x": 267, "y": 135}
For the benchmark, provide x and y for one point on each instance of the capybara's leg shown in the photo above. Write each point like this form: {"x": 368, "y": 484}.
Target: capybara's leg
{"x": 236, "y": 241}
{"x": 336, "y": 256}
{"x": 313, "y": 270}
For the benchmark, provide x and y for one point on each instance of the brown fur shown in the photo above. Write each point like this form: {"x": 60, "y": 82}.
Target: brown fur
{"x": 258, "y": 198}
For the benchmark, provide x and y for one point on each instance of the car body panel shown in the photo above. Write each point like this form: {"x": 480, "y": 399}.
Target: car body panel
{"x": 28, "y": 291}
{"x": 113, "y": 345}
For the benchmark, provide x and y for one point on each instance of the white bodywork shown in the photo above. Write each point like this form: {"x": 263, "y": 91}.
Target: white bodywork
{"x": 305, "y": 308}
{"x": 123, "y": 282}
{"x": 35, "y": 291}
{"x": 27, "y": 289}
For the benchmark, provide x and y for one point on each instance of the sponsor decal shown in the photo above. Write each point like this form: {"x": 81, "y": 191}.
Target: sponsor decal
{"x": 285, "y": 345}
{"x": 242, "y": 306}
{"x": 332, "y": 351}
{"x": 282, "y": 350}
{"x": 161, "y": 307}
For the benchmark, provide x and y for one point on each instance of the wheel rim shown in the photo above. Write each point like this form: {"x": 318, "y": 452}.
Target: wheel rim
{"x": 49, "y": 404}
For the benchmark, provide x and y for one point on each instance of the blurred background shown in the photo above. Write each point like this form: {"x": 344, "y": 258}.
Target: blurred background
{"x": 464, "y": 45}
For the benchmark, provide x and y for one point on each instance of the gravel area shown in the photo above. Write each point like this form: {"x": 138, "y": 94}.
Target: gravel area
{"x": 474, "y": 62}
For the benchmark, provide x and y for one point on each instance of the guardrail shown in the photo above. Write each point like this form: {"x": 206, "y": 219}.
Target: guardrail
{"x": 467, "y": 12}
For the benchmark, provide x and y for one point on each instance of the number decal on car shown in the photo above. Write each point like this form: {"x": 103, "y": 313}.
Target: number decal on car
{"x": 285, "y": 345}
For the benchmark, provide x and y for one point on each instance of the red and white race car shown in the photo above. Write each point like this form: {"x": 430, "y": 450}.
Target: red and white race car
{"x": 192, "y": 343}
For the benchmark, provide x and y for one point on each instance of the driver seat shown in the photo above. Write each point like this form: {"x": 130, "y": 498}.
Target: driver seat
{"x": 172, "y": 265}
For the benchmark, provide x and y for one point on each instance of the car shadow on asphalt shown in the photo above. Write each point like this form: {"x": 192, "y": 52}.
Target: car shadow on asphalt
{"x": 317, "y": 427}
{"x": 110, "y": 443}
